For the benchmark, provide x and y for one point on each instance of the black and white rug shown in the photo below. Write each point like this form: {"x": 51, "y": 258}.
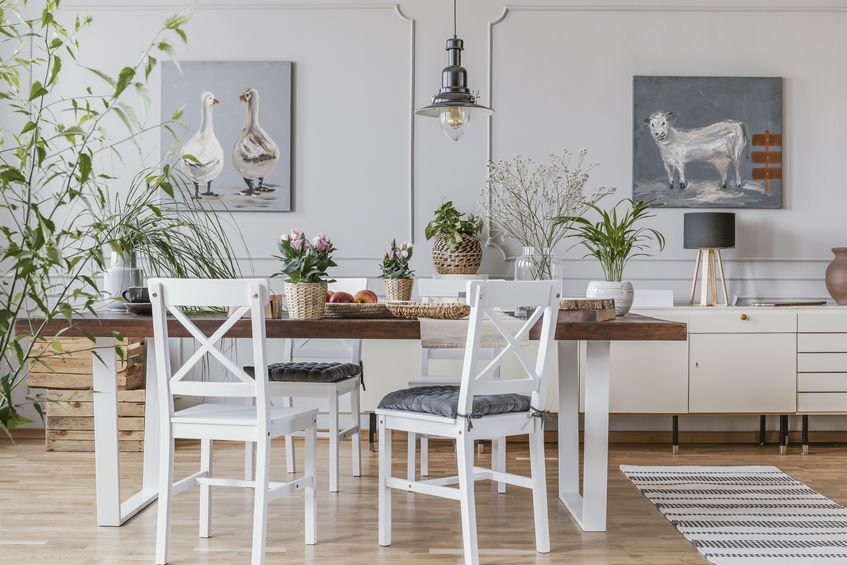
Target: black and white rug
{"x": 749, "y": 515}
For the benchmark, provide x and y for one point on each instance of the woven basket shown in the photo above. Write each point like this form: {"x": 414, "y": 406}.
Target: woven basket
{"x": 306, "y": 301}
{"x": 398, "y": 289}
{"x": 437, "y": 310}
{"x": 464, "y": 259}
{"x": 356, "y": 310}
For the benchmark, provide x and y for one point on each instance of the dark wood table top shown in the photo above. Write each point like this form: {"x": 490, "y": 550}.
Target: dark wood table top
{"x": 632, "y": 327}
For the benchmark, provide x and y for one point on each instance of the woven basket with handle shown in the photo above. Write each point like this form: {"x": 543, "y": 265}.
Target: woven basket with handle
{"x": 464, "y": 259}
{"x": 306, "y": 301}
{"x": 398, "y": 289}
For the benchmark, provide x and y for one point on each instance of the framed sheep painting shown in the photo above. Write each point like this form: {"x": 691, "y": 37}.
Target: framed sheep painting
{"x": 234, "y": 140}
{"x": 708, "y": 142}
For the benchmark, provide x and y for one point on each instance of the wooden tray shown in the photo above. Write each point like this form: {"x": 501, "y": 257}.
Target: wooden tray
{"x": 586, "y": 309}
{"x": 356, "y": 310}
{"x": 437, "y": 310}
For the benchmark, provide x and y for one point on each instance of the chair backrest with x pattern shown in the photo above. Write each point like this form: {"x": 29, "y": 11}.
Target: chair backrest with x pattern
{"x": 490, "y": 301}
{"x": 171, "y": 296}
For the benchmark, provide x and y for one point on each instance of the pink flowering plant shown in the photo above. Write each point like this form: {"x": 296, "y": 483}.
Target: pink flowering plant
{"x": 304, "y": 260}
{"x": 395, "y": 261}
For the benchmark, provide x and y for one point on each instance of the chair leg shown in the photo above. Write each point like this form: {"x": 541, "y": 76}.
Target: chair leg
{"x": 465, "y": 457}
{"x": 311, "y": 456}
{"x": 410, "y": 456}
{"x": 539, "y": 490}
{"x": 424, "y": 456}
{"x": 290, "y": 462}
{"x": 384, "y": 489}
{"x": 333, "y": 440}
{"x": 498, "y": 460}
{"x": 260, "y": 501}
{"x": 166, "y": 481}
{"x": 249, "y": 459}
{"x": 355, "y": 408}
{"x": 206, "y": 489}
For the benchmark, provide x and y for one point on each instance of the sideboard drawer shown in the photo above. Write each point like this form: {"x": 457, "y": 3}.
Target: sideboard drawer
{"x": 742, "y": 320}
{"x": 830, "y": 320}
{"x": 822, "y": 382}
{"x": 822, "y": 343}
{"x": 821, "y": 402}
{"x": 821, "y": 362}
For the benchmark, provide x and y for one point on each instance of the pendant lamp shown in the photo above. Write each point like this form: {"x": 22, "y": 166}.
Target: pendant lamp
{"x": 455, "y": 103}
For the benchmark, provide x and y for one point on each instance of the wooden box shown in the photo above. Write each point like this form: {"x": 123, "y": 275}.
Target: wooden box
{"x": 73, "y": 370}
{"x": 70, "y": 420}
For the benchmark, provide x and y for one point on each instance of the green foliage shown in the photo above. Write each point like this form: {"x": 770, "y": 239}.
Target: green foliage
{"x": 614, "y": 240}
{"x": 54, "y": 148}
{"x": 453, "y": 224}
{"x": 305, "y": 262}
{"x": 395, "y": 262}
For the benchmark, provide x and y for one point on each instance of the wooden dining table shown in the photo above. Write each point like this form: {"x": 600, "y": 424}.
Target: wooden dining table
{"x": 588, "y": 508}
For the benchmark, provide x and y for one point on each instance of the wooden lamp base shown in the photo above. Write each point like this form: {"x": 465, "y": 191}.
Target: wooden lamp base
{"x": 709, "y": 282}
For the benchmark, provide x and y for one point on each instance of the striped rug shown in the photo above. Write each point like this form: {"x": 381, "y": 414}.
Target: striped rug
{"x": 749, "y": 515}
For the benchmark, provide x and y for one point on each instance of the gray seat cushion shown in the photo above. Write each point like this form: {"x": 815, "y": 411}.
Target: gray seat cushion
{"x": 307, "y": 372}
{"x": 443, "y": 400}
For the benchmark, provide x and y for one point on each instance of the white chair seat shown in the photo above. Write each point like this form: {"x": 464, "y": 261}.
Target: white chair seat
{"x": 234, "y": 415}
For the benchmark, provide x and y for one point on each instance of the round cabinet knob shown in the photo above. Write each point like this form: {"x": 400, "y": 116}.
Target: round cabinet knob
{"x": 743, "y": 316}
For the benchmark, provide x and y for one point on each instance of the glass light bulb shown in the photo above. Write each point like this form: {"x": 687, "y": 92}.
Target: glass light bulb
{"x": 455, "y": 121}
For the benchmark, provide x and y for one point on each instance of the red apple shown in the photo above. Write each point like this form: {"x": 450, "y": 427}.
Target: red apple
{"x": 328, "y": 296}
{"x": 340, "y": 297}
{"x": 366, "y": 296}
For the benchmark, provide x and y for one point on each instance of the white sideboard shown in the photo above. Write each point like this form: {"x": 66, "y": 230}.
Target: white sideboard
{"x": 737, "y": 360}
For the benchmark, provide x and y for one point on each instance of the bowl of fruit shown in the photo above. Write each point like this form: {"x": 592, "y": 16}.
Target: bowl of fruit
{"x": 363, "y": 304}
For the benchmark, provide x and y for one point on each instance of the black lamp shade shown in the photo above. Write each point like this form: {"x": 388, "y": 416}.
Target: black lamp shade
{"x": 709, "y": 230}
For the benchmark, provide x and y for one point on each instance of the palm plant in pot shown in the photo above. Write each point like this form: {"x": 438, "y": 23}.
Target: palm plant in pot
{"x": 395, "y": 272}
{"x": 305, "y": 264}
{"x": 456, "y": 249}
{"x": 614, "y": 240}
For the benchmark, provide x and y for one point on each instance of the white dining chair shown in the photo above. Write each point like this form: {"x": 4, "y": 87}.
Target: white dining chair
{"x": 440, "y": 290}
{"x": 344, "y": 350}
{"x": 481, "y": 407}
{"x": 258, "y": 423}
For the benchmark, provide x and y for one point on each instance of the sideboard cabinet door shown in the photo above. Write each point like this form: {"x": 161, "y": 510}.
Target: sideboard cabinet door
{"x": 648, "y": 377}
{"x": 742, "y": 373}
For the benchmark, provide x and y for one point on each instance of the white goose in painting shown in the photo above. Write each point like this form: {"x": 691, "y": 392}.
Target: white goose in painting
{"x": 255, "y": 154}
{"x": 205, "y": 148}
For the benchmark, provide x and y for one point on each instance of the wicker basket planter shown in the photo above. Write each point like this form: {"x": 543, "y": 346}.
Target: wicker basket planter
{"x": 464, "y": 259}
{"x": 306, "y": 301}
{"x": 398, "y": 289}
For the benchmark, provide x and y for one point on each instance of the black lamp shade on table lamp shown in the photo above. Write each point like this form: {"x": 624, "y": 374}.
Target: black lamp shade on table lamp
{"x": 708, "y": 233}
{"x": 709, "y": 230}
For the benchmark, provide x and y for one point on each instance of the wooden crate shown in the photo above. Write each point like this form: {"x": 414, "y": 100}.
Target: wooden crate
{"x": 70, "y": 420}
{"x": 74, "y": 370}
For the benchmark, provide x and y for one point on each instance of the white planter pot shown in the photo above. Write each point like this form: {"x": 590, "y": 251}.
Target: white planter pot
{"x": 621, "y": 291}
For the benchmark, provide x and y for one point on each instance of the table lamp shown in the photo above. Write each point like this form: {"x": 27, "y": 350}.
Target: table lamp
{"x": 708, "y": 233}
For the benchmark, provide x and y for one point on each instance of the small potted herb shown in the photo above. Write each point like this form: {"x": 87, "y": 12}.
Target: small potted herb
{"x": 456, "y": 249}
{"x": 305, "y": 264}
{"x": 395, "y": 272}
{"x": 614, "y": 240}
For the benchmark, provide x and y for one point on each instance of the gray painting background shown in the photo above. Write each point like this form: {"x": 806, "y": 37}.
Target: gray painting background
{"x": 697, "y": 102}
{"x": 227, "y": 80}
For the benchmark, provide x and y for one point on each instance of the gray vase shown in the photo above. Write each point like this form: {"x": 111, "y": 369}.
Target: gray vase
{"x": 622, "y": 292}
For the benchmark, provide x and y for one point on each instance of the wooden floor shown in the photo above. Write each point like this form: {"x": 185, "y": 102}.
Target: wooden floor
{"x": 47, "y": 511}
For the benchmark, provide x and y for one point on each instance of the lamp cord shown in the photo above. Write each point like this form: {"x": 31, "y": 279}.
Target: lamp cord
{"x": 454, "y": 18}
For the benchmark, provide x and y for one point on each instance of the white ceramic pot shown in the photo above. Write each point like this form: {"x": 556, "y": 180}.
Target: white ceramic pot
{"x": 621, "y": 291}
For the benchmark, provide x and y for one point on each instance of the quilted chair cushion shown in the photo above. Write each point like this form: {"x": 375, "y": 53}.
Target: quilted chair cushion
{"x": 443, "y": 400}
{"x": 307, "y": 372}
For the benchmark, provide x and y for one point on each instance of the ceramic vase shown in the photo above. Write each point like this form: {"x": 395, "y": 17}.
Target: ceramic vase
{"x": 622, "y": 292}
{"x": 836, "y": 276}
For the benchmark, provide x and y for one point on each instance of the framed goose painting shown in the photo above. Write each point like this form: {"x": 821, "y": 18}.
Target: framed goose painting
{"x": 234, "y": 138}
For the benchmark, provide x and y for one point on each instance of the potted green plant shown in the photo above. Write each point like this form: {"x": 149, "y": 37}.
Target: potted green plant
{"x": 304, "y": 265}
{"x": 614, "y": 240}
{"x": 456, "y": 249}
{"x": 395, "y": 272}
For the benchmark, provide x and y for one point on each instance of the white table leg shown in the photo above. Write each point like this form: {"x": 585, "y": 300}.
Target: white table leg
{"x": 589, "y": 510}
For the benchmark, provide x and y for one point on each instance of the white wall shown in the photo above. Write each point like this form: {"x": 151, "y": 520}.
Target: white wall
{"x": 561, "y": 77}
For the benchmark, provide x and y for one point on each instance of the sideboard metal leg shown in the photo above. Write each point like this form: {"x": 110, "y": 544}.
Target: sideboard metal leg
{"x": 371, "y": 431}
{"x": 805, "y": 434}
{"x": 763, "y": 428}
{"x": 783, "y": 435}
{"x": 675, "y": 420}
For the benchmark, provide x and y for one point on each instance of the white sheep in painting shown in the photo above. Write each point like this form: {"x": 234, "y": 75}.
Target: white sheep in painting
{"x": 720, "y": 144}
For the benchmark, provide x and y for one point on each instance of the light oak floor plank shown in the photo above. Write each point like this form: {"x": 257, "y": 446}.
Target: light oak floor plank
{"x": 47, "y": 510}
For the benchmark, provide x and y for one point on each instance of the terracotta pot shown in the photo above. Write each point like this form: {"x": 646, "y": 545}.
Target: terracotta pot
{"x": 464, "y": 259}
{"x": 398, "y": 289}
{"x": 836, "y": 276}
